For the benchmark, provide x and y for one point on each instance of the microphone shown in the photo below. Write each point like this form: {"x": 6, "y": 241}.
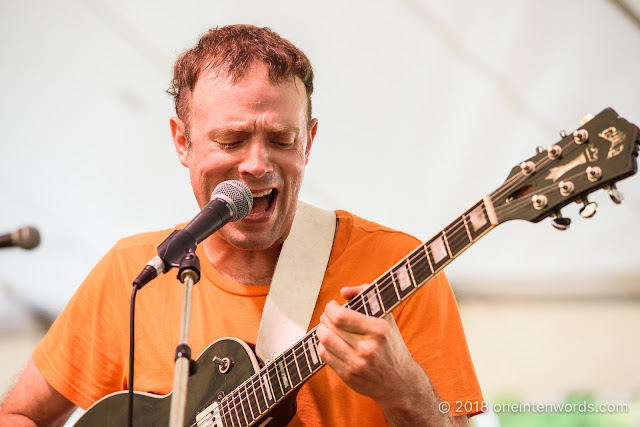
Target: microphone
{"x": 230, "y": 201}
{"x": 26, "y": 237}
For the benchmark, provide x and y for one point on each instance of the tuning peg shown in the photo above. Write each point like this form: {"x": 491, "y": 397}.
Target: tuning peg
{"x": 539, "y": 149}
{"x": 563, "y": 133}
{"x": 561, "y": 223}
{"x": 589, "y": 208}
{"x": 615, "y": 195}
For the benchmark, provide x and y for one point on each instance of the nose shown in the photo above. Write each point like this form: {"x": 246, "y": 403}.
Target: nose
{"x": 256, "y": 161}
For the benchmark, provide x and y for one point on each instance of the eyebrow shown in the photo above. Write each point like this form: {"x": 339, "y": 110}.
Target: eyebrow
{"x": 243, "y": 129}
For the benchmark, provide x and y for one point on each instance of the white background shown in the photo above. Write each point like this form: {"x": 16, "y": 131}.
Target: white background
{"x": 424, "y": 106}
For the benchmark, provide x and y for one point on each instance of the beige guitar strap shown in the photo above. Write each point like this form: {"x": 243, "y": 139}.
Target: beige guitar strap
{"x": 296, "y": 281}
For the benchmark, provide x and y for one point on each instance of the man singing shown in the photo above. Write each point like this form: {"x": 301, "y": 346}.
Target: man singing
{"x": 243, "y": 105}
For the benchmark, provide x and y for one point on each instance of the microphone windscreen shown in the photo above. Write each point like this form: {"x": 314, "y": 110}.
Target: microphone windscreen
{"x": 26, "y": 237}
{"x": 240, "y": 196}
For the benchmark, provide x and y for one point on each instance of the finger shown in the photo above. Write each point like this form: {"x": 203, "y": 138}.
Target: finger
{"x": 331, "y": 347}
{"x": 334, "y": 362}
{"x": 349, "y": 292}
{"x": 350, "y": 321}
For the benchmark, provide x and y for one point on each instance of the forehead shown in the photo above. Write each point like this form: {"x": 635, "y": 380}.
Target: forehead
{"x": 220, "y": 92}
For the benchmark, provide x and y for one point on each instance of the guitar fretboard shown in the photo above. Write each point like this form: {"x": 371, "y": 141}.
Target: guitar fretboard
{"x": 249, "y": 401}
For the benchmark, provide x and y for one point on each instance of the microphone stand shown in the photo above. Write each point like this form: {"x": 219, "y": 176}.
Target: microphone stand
{"x": 189, "y": 275}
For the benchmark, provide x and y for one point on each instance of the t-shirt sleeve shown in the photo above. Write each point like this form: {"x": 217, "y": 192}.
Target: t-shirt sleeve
{"x": 81, "y": 355}
{"x": 432, "y": 329}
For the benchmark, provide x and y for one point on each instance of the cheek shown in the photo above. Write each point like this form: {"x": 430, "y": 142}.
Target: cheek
{"x": 206, "y": 170}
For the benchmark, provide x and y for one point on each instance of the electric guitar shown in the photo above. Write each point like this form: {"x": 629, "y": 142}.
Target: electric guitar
{"x": 230, "y": 388}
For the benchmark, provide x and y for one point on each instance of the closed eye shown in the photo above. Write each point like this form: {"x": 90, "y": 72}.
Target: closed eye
{"x": 284, "y": 144}
{"x": 228, "y": 145}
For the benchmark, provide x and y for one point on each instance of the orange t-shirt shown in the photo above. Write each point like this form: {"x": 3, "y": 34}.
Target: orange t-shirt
{"x": 85, "y": 353}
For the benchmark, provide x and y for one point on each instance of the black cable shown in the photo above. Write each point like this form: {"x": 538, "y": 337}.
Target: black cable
{"x": 131, "y": 350}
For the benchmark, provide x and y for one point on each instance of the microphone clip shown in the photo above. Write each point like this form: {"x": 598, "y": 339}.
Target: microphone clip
{"x": 177, "y": 250}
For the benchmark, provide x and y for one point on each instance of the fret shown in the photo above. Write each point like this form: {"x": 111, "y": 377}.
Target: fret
{"x": 245, "y": 403}
{"x": 426, "y": 255}
{"x": 226, "y": 417}
{"x": 312, "y": 352}
{"x": 437, "y": 251}
{"x": 457, "y": 237}
{"x": 237, "y": 405}
{"x": 388, "y": 292}
{"x": 420, "y": 266}
{"x": 266, "y": 385}
{"x": 274, "y": 380}
{"x": 478, "y": 220}
{"x": 362, "y": 310}
{"x": 394, "y": 280}
{"x": 445, "y": 239}
{"x": 258, "y": 395}
{"x": 283, "y": 373}
{"x": 292, "y": 368}
{"x": 305, "y": 367}
{"x": 228, "y": 414}
{"x": 258, "y": 392}
{"x": 372, "y": 301}
{"x": 466, "y": 226}
{"x": 409, "y": 268}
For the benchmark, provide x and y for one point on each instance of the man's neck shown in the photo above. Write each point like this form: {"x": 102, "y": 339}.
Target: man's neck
{"x": 248, "y": 267}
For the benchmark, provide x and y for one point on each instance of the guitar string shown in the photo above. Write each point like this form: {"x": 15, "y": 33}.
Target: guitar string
{"x": 578, "y": 177}
{"x": 420, "y": 254}
{"x": 229, "y": 401}
{"x": 571, "y": 145}
{"x": 457, "y": 238}
{"x": 507, "y": 186}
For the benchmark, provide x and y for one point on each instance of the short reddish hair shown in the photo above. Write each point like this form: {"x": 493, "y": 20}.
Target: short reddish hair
{"x": 231, "y": 51}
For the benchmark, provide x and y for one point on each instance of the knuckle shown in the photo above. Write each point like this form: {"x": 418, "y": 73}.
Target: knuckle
{"x": 358, "y": 365}
{"x": 339, "y": 317}
{"x": 367, "y": 348}
{"x": 381, "y": 330}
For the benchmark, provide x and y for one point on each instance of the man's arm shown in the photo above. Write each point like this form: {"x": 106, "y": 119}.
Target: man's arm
{"x": 33, "y": 402}
{"x": 370, "y": 356}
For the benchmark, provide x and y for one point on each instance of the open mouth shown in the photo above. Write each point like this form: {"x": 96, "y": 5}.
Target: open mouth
{"x": 263, "y": 201}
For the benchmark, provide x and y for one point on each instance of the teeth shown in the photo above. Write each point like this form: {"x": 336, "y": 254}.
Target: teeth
{"x": 262, "y": 193}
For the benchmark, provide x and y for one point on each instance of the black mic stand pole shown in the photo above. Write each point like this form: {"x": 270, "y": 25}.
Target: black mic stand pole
{"x": 189, "y": 275}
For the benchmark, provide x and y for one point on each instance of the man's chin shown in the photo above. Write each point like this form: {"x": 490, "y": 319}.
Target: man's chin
{"x": 251, "y": 241}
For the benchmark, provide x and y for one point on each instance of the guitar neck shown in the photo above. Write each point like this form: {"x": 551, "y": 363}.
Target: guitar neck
{"x": 249, "y": 401}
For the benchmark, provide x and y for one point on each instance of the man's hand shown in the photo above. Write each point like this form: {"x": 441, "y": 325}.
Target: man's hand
{"x": 364, "y": 349}
{"x": 370, "y": 356}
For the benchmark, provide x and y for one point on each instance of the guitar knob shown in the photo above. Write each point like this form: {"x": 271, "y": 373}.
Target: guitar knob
{"x": 589, "y": 208}
{"x": 561, "y": 223}
{"x": 615, "y": 195}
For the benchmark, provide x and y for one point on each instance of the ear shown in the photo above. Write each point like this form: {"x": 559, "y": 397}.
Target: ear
{"x": 180, "y": 140}
{"x": 313, "y": 128}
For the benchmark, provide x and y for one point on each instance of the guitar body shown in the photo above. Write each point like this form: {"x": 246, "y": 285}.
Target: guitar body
{"x": 206, "y": 385}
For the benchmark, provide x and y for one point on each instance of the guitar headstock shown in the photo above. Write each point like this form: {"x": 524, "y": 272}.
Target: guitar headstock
{"x": 601, "y": 152}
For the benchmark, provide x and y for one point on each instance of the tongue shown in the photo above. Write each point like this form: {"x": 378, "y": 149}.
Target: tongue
{"x": 260, "y": 204}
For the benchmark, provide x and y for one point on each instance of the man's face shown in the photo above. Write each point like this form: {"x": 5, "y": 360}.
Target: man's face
{"x": 255, "y": 132}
